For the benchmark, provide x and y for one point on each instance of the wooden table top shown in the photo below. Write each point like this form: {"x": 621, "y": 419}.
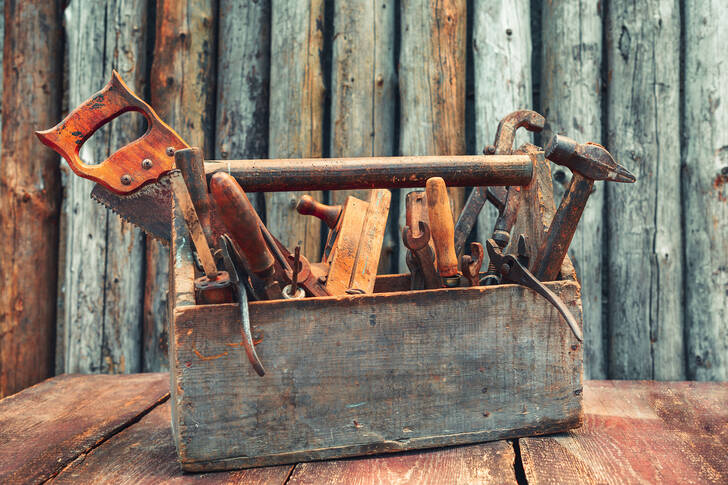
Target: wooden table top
{"x": 115, "y": 429}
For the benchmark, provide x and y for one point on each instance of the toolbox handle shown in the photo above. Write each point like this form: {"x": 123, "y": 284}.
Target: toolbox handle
{"x": 283, "y": 175}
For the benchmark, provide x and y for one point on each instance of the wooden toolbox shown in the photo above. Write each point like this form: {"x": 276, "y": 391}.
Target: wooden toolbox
{"x": 362, "y": 374}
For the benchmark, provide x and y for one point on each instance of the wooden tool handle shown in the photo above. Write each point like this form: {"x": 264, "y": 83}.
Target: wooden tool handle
{"x": 141, "y": 161}
{"x": 442, "y": 228}
{"x": 241, "y": 221}
{"x": 192, "y": 165}
{"x": 329, "y": 214}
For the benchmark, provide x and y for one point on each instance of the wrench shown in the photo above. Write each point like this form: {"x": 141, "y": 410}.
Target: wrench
{"x": 504, "y": 137}
{"x": 423, "y": 253}
{"x": 470, "y": 264}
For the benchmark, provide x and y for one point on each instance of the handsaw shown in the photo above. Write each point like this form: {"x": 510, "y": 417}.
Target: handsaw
{"x": 131, "y": 181}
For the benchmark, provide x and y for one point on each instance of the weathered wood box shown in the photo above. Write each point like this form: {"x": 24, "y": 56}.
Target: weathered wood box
{"x": 364, "y": 374}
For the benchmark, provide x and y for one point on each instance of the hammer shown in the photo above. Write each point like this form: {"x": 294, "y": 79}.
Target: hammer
{"x": 588, "y": 162}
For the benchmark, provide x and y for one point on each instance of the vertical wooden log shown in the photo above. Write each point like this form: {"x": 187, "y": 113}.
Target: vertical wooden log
{"x": 432, "y": 85}
{"x": 705, "y": 189}
{"x": 296, "y": 112}
{"x": 243, "y": 74}
{"x": 502, "y": 70}
{"x": 363, "y": 89}
{"x": 183, "y": 94}
{"x": 644, "y": 235}
{"x": 29, "y": 189}
{"x": 571, "y": 100}
{"x": 103, "y": 261}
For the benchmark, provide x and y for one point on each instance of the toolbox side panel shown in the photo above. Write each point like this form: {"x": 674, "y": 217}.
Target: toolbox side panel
{"x": 373, "y": 373}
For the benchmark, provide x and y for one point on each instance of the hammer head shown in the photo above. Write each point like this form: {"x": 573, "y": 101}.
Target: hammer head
{"x": 590, "y": 160}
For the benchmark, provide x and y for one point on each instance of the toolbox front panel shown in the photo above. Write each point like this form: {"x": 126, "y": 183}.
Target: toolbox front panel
{"x": 373, "y": 373}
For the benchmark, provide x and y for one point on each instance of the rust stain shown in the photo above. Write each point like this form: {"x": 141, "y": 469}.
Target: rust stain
{"x": 240, "y": 344}
{"x": 718, "y": 183}
{"x": 211, "y": 357}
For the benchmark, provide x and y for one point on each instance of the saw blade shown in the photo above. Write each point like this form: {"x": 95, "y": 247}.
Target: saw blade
{"x": 149, "y": 208}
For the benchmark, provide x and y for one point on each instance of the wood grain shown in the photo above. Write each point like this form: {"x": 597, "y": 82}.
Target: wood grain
{"x": 683, "y": 425}
{"x": 485, "y": 463}
{"x": 645, "y": 244}
{"x": 363, "y": 90}
{"x": 296, "y": 113}
{"x": 102, "y": 276}
{"x": 432, "y": 86}
{"x": 243, "y": 77}
{"x": 29, "y": 192}
{"x": 571, "y": 97}
{"x": 182, "y": 82}
{"x": 705, "y": 190}
{"x": 49, "y": 425}
{"x": 372, "y": 373}
{"x": 145, "y": 453}
{"x": 345, "y": 247}
{"x": 502, "y": 77}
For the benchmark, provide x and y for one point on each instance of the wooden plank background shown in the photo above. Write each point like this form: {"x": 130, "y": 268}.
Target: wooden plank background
{"x": 277, "y": 78}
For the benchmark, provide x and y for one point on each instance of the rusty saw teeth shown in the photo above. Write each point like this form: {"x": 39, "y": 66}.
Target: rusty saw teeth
{"x": 149, "y": 208}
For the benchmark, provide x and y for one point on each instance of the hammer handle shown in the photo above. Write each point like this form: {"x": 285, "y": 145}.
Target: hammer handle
{"x": 442, "y": 229}
{"x": 192, "y": 165}
{"x": 553, "y": 249}
{"x": 239, "y": 217}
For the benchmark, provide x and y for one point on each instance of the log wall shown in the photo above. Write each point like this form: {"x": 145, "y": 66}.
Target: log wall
{"x": 273, "y": 78}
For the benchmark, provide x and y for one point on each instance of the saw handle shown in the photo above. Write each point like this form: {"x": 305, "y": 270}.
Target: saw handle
{"x": 142, "y": 161}
{"x": 241, "y": 221}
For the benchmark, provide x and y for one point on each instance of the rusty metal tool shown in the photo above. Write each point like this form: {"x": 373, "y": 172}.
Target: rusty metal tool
{"x": 470, "y": 264}
{"x": 506, "y": 133}
{"x": 513, "y": 272}
{"x": 419, "y": 246}
{"x": 424, "y": 261}
{"x": 214, "y": 286}
{"x": 132, "y": 183}
{"x": 248, "y": 345}
{"x": 311, "y": 279}
{"x": 293, "y": 291}
{"x": 417, "y": 278}
{"x": 441, "y": 229}
{"x": 239, "y": 217}
{"x": 502, "y": 230}
{"x": 588, "y": 162}
{"x": 416, "y": 211}
{"x": 189, "y": 162}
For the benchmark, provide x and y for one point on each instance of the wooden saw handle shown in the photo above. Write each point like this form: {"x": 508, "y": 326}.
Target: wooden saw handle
{"x": 442, "y": 229}
{"x": 142, "y": 161}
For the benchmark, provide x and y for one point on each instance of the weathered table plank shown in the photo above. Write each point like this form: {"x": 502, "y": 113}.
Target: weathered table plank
{"x": 486, "y": 463}
{"x": 45, "y": 427}
{"x": 144, "y": 453}
{"x": 638, "y": 432}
